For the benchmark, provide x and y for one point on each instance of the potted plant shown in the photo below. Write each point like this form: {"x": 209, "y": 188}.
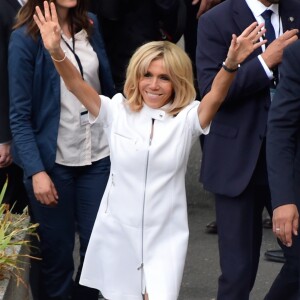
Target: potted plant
{"x": 15, "y": 232}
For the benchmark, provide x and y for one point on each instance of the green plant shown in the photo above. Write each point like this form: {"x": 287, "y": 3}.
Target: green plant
{"x": 15, "y": 231}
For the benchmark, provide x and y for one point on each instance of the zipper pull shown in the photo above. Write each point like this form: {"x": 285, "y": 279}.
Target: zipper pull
{"x": 141, "y": 266}
{"x": 151, "y": 133}
{"x": 112, "y": 179}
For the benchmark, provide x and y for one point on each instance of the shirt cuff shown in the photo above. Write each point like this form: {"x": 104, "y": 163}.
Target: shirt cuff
{"x": 266, "y": 68}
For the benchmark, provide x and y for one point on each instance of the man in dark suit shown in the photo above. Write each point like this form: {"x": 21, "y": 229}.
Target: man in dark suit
{"x": 15, "y": 190}
{"x": 283, "y": 157}
{"x": 234, "y": 162}
{"x": 128, "y": 24}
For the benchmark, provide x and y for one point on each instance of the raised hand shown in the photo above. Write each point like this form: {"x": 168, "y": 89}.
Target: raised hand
{"x": 243, "y": 45}
{"x": 48, "y": 26}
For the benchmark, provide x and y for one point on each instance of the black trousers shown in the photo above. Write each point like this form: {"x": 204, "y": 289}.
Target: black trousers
{"x": 287, "y": 283}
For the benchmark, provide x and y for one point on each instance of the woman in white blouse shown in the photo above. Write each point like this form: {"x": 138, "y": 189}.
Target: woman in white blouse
{"x": 65, "y": 159}
{"x": 139, "y": 240}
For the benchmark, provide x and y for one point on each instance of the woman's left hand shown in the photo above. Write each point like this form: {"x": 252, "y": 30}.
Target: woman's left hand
{"x": 49, "y": 27}
{"x": 243, "y": 45}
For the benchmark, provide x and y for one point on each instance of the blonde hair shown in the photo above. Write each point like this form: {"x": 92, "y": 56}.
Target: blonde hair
{"x": 178, "y": 66}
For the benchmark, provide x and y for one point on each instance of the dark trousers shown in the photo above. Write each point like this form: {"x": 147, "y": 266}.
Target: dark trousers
{"x": 80, "y": 190}
{"x": 15, "y": 194}
{"x": 239, "y": 222}
{"x": 287, "y": 284}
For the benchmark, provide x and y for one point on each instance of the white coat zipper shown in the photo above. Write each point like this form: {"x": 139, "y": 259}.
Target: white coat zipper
{"x": 140, "y": 268}
{"x": 110, "y": 188}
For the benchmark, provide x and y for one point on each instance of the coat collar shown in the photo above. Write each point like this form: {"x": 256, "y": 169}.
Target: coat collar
{"x": 243, "y": 17}
{"x": 15, "y": 4}
{"x": 287, "y": 10}
{"x": 156, "y": 114}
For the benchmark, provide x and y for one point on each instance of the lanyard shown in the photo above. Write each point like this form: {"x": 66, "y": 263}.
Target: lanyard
{"x": 75, "y": 55}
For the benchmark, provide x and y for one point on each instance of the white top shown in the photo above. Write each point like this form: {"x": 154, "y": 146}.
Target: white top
{"x": 22, "y": 2}
{"x": 143, "y": 216}
{"x": 79, "y": 143}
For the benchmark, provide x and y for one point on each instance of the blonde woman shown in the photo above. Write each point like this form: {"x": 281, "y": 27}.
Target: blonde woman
{"x": 139, "y": 241}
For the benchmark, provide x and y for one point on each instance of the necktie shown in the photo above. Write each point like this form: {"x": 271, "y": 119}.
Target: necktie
{"x": 270, "y": 36}
{"x": 270, "y": 33}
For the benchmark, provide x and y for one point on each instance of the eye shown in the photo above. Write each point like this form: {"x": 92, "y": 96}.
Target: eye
{"x": 148, "y": 74}
{"x": 165, "y": 77}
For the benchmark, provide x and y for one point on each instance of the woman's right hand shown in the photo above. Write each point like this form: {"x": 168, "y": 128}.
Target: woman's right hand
{"x": 49, "y": 27}
{"x": 44, "y": 189}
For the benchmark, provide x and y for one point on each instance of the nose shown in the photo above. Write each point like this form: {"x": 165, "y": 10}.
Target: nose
{"x": 154, "y": 83}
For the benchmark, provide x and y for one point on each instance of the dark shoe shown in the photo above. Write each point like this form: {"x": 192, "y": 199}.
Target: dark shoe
{"x": 267, "y": 223}
{"x": 275, "y": 255}
{"x": 212, "y": 227}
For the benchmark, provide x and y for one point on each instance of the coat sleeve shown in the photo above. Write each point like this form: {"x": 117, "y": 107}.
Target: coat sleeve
{"x": 283, "y": 130}
{"x": 21, "y": 62}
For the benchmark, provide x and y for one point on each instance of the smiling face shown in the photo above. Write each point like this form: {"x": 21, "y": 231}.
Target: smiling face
{"x": 155, "y": 86}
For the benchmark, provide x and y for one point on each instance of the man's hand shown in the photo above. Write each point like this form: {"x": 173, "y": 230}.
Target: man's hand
{"x": 44, "y": 189}
{"x": 285, "y": 223}
{"x": 5, "y": 155}
{"x": 205, "y": 5}
{"x": 273, "y": 54}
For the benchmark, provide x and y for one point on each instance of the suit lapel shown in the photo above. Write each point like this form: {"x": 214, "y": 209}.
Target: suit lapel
{"x": 243, "y": 17}
{"x": 242, "y": 14}
{"x": 288, "y": 15}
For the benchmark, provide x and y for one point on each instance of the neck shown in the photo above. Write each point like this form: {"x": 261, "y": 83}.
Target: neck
{"x": 269, "y": 2}
{"x": 63, "y": 19}
{"x": 265, "y": 3}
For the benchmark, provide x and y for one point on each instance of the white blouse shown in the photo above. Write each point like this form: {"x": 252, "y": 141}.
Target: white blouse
{"x": 79, "y": 143}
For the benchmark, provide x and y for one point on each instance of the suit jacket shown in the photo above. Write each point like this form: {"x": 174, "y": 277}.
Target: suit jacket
{"x": 128, "y": 24}
{"x": 8, "y": 11}
{"x": 283, "y": 136}
{"x": 35, "y": 98}
{"x": 232, "y": 148}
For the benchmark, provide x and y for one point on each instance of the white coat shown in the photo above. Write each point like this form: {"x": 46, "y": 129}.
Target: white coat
{"x": 140, "y": 237}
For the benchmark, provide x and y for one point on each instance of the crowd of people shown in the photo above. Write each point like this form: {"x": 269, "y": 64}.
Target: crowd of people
{"x": 98, "y": 114}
